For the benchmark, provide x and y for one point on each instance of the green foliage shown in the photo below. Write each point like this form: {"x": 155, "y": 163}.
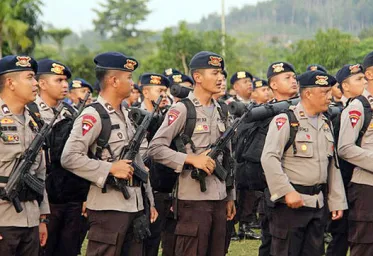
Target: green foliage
{"x": 119, "y": 18}
{"x": 294, "y": 19}
{"x": 17, "y": 18}
{"x": 330, "y": 48}
{"x": 176, "y": 49}
{"x": 58, "y": 36}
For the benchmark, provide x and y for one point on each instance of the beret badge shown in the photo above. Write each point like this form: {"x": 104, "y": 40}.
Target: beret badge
{"x": 57, "y": 69}
{"x": 23, "y": 61}
{"x": 215, "y": 61}
{"x": 321, "y": 80}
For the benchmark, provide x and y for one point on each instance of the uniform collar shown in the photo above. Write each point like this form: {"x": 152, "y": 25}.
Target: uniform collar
{"x": 109, "y": 108}
{"x": 303, "y": 115}
{"x": 196, "y": 102}
{"x": 41, "y": 104}
{"x": 240, "y": 99}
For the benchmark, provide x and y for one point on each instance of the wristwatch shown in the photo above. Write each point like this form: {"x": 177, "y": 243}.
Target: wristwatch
{"x": 44, "y": 220}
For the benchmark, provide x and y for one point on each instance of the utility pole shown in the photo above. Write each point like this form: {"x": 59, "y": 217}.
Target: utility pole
{"x": 223, "y": 28}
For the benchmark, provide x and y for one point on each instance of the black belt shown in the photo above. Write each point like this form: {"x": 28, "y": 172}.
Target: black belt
{"x": 310, "y": 190}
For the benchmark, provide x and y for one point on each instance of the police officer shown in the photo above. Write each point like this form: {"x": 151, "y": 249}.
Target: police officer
{"x": 155, "y": 85}
{"x": 53, "y": 87}
{"x": 202, "y": 216}
{"x": 352, "y": 84}
{"x": 361, "y": 185}
{"x": 78, "y": 88}
{"x": 314, "y": 67}
{"x": 297, "y": 178}
{"x": 65, "y": 217}
{"x": 133, "y": 99}
{"x": 260, "y": 94}
{"x": 111, "y": 216}
{"x": 241, "y": 82}
{"x": 20, "y": 233}
{"x": 180, "y": 79}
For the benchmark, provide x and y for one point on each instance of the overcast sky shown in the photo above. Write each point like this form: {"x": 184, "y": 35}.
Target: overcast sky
{"x": 78, "y": 15}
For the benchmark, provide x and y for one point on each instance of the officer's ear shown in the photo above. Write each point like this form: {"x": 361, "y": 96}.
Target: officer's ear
{"x": 369, "y": 73}
{"x": 345, "y": 87}
{"x": 145, "y": 91}
{"x": 197, "y": 75}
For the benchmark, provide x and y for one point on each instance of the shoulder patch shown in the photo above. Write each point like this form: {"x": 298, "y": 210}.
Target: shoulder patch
{"x": 87, "y": 123}
{"x": 173, "y": 114}
{"x": 280, "y": 121}
{"x": 354, "y": 116}
{"x": 5, "y": 109}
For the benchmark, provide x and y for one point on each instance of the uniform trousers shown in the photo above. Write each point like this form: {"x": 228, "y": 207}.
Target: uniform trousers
{"x": 19, "y": 241}
{"x": 297, "y": 232}
{"x": 111, "y": 233}
{"x": 201, "y": 228}
{"x": 64, "y": 229}
{"x": 247, "y": 205}
{"x": 161, "y": 229}
{"x": 264, "y": 218}
{"x": 360, "y": 219}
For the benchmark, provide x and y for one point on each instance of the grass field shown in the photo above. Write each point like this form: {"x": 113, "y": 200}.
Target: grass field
{"x": 242, "y": 248}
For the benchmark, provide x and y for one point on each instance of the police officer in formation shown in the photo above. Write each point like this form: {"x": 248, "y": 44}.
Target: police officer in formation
{"x": 305, "y": 185}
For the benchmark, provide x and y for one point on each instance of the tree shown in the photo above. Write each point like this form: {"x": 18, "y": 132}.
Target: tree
{"x": 176, "y": 49}
{"x": 13, "y": 30}
{"x": 119, "y": 18}
{"x": 330, "y": 48}
{"x": 58, "y": 36}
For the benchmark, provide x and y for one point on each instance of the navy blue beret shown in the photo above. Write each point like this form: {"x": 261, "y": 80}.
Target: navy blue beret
{"x": 148, "y": 79}
{"x": 80, "y": 83}
{"x": 136, "y": 87}
{"x": 348, "y": 70}
{"x": 48, "y": 66}
{"x": 278, "y": 68}
{"x": 259, "y": 83}
{"x": 171, "y": 71}
{"x": 206, "y": 60}
{"x": 116, "y": 61}
{"x": 14, "y": 63}
{"x": 368, "y": 60}
{"x": 313, "y": 67}
{"x": 180, "y": 78}
{"x": 240, "y": 75}
{"x": 316, "y": 79}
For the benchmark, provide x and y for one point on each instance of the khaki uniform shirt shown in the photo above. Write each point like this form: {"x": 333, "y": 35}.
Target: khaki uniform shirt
{"x": 83, "y": 137}
{"x": 312, "y": 164}
{"x": 20, "y": 133}
{"x": 352, "y": 120}
{"x": 207, "y": 130}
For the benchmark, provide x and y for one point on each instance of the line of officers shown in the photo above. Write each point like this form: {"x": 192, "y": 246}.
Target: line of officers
{"x": 304, "y": 181}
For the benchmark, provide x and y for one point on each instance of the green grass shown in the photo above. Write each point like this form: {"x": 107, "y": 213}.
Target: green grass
{"x": 241, "y": 248}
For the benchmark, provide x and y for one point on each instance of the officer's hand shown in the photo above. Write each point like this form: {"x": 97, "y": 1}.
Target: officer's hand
{"x": 337, "y": 215}
{"x": 1, "y": 237}
{"x": 231, "y": 210}
{"x": 294, "y": 200}
{"x": 43, "y": 234}
{"x": 153, "y": 214}
{"x": 202, "y": 162}
{"x": 84, "y": 209}
{"x": 122, "y": 169}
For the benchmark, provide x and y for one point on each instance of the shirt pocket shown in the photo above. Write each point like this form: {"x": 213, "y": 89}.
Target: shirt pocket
{"x": 304, "y": 145}
{"x": 11, "y": 147}
{"x": 201, "y": 135}
{"x": 117, "y": 142}
{"x": 329, "y": 144}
